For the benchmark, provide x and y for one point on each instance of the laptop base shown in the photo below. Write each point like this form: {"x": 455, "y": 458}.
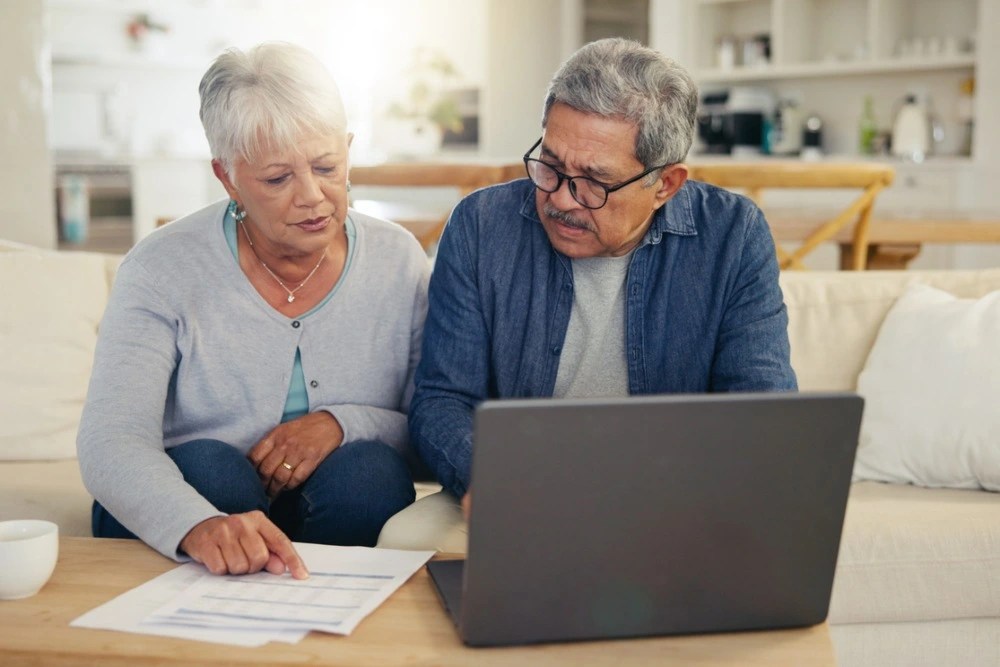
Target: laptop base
{"x": 447, "y": 578}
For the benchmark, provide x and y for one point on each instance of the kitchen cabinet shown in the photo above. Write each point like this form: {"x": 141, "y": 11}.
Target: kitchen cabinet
{"x": 830, "y": 37}
{"x": 129, "y": 198}
{"x": 829, "y": 55}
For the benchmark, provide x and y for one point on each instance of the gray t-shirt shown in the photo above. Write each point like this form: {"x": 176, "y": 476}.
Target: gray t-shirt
{"x": 592, "y": 362}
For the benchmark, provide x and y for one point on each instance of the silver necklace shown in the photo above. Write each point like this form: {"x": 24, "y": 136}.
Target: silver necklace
{"x": 291, "y": 292}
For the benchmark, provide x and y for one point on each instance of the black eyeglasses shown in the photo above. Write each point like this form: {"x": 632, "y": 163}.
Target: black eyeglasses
{"x": 586, "y": 191}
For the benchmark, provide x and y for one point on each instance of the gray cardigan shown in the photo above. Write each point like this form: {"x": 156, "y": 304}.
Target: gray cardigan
{"x": 188, "y": 349}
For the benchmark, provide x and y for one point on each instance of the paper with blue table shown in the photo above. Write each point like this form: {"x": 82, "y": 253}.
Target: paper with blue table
{"x": 345, "y": 584}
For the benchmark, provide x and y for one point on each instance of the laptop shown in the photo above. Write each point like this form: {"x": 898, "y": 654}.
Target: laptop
{"x": 651, "y": 515}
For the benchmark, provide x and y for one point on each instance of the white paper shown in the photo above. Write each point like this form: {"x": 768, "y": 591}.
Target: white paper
{"x": 126, "y": 612}
{"x": 345, "y": 585}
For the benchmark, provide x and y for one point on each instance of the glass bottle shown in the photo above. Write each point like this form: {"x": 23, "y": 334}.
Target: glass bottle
{"x": 966, "y": 114}
{"x": 867, "y": 128}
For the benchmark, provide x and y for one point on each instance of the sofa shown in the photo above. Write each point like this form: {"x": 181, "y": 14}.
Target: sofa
{"x": 918, "y": 575}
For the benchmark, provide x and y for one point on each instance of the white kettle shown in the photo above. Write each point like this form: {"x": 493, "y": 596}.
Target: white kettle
{"x": 911, "y": 133}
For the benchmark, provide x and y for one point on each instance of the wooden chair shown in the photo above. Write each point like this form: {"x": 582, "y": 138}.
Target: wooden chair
{"x": 753, "y": 178}
{"x": 426, "y": 224}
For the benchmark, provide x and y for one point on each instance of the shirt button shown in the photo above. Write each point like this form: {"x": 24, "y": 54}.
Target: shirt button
{"x": 296, "y": 324}
{"x": 314, "y": 384}
{"x": 556, "y": 349}
{"x": 635, "y": 290}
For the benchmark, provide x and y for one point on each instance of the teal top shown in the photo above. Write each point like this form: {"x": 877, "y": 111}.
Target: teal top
{"x": 297, "y": 403}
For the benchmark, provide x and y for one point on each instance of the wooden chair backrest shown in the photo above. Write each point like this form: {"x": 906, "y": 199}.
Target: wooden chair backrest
{"x": 464, "y": 177}
{"x": 753, "y": 178}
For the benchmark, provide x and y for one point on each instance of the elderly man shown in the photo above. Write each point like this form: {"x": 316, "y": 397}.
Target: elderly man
{"x": 604, "y": 273}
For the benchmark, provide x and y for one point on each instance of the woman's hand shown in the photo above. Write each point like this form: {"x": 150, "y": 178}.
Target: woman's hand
{"x": 242, "y": 544}
{"x": 289, "y": 454}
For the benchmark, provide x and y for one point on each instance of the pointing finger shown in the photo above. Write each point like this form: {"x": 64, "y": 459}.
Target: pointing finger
{"x": 279, "y": 544}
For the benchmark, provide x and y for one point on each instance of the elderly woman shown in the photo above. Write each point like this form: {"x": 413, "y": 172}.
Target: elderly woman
{"x": 255, "y": 361}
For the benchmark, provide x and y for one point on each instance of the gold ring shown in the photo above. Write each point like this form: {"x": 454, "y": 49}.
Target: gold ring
{"x": 284, "y": 464}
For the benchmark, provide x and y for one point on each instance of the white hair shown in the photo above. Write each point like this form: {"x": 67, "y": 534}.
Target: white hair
{"x": 269, "y": 96}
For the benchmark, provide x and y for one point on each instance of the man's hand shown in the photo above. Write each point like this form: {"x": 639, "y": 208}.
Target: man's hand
{"x": 289, "y": 454}
{"x": 242, "y": 544}
{"x": 467, "y": 505}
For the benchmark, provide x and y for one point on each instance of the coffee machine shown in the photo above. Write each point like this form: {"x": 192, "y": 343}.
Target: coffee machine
{"x": 731, "y": 120}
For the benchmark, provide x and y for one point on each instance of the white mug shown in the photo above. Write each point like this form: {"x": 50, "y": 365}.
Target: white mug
{"x": 29, "y": 549}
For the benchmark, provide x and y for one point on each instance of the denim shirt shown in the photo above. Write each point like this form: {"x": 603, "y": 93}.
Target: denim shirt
{"x": 704, "y": 312}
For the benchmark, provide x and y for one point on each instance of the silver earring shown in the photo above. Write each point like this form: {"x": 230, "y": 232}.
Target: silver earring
{"x": 348, "y": 185}
{"x": 238, "y": 214}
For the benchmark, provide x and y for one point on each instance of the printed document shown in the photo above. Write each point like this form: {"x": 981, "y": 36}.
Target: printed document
{"x": 345, "y": 584}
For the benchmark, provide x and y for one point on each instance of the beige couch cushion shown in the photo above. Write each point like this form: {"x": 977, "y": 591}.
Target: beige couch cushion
{"x": 48, "y": 329}
{"x": 932, "y": 393}
{"x": 914, "y": 554}
{"x": 834, "y": 317}
{"x": 50, "y": 490}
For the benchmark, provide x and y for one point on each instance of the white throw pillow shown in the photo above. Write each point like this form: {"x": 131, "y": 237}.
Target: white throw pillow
{"x": 932, "y": 393}
{"x": 50, "y": 306}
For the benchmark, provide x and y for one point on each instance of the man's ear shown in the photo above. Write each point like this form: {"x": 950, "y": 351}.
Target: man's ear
{"x": 670, "y": 181}
{"x": 220, "y": 173}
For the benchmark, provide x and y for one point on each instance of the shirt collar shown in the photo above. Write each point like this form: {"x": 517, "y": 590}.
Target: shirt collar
{"x": 676, "y": 216}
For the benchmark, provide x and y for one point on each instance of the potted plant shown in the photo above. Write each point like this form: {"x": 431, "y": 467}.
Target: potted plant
{"x": 418, "y": 121}
{"x": 143, "y": 32}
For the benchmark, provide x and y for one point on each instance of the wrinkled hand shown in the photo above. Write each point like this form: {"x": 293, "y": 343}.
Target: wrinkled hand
{"x": 302, "y": 443}
{"x": 241, "y": 544}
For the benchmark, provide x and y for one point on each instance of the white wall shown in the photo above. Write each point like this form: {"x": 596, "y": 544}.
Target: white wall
{"x": 136, "y": 104}
{"x": 980, "y": 189}
{"x": 986, "y": 194}
{"x": 26, "y": 194}
{"x": 524, "y": 47}
{"x": 666, "y": 19}
{"x": 510, "y": 48}
{"x": 146, "y": 95}
{"x": 373, "y": 54}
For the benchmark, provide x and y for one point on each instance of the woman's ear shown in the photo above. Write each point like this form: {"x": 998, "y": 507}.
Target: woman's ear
{"x": 350, "y": 139}
{"x": 220, "y": 173}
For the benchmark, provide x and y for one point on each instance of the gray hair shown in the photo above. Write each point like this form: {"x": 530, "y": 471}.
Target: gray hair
{"x": 621, "y": 78}
{"x": 268, "y": 96}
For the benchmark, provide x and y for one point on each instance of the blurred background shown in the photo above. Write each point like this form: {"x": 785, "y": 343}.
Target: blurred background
{"x": 99, "y": 109}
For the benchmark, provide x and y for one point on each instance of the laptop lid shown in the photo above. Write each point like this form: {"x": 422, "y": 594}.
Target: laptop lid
{"x": 655, "y": 515}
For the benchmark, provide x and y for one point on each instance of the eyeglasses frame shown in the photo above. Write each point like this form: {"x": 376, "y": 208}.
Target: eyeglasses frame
{"x": 560, "y": 176}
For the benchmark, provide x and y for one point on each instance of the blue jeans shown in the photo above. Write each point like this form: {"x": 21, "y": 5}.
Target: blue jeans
{"x": 346, "y": 500}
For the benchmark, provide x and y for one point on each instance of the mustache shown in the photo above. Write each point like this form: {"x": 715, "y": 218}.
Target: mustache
{"x": 566, "y": 218}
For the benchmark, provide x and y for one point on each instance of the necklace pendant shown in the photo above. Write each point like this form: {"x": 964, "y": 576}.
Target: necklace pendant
{"x": 291, "y": 297}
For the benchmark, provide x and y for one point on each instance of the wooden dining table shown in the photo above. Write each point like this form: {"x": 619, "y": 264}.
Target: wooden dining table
{"x": 895, "y": 238}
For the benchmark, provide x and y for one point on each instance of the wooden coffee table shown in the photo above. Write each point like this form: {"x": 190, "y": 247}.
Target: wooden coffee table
{"x": 409, "y": 628}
